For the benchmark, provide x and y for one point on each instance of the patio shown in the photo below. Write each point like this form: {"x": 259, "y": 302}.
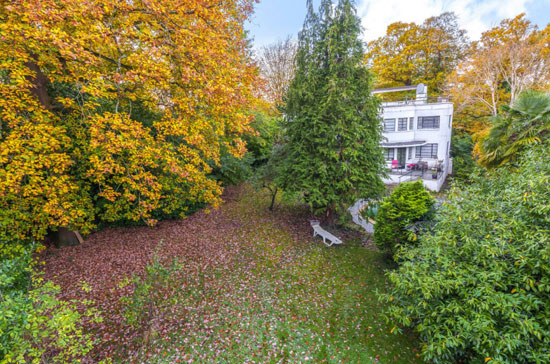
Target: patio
{"x": 405, "y": 174}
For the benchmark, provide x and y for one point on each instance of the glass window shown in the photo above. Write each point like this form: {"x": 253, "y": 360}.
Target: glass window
{"x": 410, "y": 153}
{"x": 427, "y": 151}
{"x": 411, "y": 123}
{"x": 402, "y": 124}
{"x": 389, "y": 124}
{"x": 428, "y": 122}
{"x": 388, "y": 154}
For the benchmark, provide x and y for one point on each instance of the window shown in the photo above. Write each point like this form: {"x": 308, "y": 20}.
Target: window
{"x": 389, "y": 124}
{"x": 402, "y": 124}
{"x": 428, "y": 122}
{"x": 427, "y": 151}
{"x": 411, "y": 123}
{"x": 388, "y": 154}
{"x": 410, "y": 153}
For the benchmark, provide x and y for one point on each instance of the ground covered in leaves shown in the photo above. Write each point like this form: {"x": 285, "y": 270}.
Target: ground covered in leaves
{"x": 240, "y": 284}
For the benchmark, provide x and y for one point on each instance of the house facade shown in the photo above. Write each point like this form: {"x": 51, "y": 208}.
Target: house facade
{"x": 417, "y": 133}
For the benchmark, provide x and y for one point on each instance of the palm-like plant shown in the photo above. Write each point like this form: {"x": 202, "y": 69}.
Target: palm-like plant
{"x": 525, "y": 122}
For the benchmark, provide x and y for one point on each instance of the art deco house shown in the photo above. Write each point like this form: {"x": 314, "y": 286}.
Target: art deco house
{"x": 417, "y": 131}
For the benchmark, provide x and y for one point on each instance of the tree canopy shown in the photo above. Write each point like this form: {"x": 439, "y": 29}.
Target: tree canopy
{"x": 333, "y": 129}
{"x": 509, "y": 58}
{"x": 412, "y": 53}
{"x": 113, "y": 110}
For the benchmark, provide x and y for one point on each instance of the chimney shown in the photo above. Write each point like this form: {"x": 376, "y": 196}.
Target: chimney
{"x": 421, "y": 93}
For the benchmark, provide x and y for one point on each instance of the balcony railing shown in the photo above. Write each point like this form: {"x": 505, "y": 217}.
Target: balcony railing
{"x": 413, "y": 100}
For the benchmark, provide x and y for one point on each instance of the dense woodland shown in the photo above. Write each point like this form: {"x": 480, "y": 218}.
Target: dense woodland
{"x": 154, "y": 130}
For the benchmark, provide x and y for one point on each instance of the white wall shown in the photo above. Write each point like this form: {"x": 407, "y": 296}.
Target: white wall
{"x": 441, "y": 136}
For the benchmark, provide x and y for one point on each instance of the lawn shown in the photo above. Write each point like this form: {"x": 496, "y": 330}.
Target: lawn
{"x": 240, "y": 284}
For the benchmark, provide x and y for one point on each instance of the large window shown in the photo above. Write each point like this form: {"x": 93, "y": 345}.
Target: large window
{"x": 427, "y": 151}
{"x": 411, "y": 123}
{"x": 428, "y": 122}
{"x": 389, "y": 124}
{"x": 402, "y": 124}
{"x": 388, "y": 154}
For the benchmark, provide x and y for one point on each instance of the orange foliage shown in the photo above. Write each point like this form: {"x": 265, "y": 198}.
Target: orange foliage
{"x": 70, "y": 158}
{"x": 508, "y": 59}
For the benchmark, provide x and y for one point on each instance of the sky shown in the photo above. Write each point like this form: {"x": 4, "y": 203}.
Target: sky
{"x": 274, "y": 20}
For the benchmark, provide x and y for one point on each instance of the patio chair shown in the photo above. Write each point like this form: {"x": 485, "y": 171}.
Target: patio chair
{"x": 394, "y": 164}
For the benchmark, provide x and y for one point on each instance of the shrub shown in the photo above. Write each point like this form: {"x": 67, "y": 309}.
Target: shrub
{"x": 408, "y": 203}
{"x": 479, "y": 286}
{"x": 35, "y": 326}
{"x": 464, "y": 163}
{"x": 233, "y": 170}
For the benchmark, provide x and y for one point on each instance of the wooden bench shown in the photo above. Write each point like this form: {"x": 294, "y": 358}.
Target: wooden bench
{"x": 318, "y": 230}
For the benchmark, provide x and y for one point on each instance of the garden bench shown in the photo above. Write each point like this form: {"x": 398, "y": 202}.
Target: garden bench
{"x": 318, "y": 230}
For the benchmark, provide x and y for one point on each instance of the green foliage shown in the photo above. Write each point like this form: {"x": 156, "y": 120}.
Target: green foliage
{"x": 370, "y": 211}
{"x": 408, "y": 204}
{"x": 143, "y": 305}
{"x": 268, "y": 129}
{"x": 521, "y": 125}
{"x": 268, "y": 176}
{"x": 36, "y": 326}
{"x": 233, "y": 170}
{"x": 464, "y": 163}
{"x": 332, "y": 124}
{"x": 479, "y": 286}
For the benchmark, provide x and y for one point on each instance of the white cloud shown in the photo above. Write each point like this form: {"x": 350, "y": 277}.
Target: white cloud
{"x": 475, "y": 16}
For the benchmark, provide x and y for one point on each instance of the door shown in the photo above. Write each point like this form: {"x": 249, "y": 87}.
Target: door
{"x": 401, "y": 157}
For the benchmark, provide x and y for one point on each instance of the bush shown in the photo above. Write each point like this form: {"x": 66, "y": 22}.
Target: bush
{"x": 233, "y": 170}
{"x": 464, "y": 163}
{"x": 479, "y": 286}
{"x": 35, "y": 326}
{"x": 409, "y": 203}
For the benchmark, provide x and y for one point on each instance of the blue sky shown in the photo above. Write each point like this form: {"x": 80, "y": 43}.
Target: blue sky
{"x": 275, "y": 19}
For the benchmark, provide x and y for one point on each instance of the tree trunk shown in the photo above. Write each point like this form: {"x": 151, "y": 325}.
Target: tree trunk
{"x": 273, "y": 197}
{"x": 40, "y": 84}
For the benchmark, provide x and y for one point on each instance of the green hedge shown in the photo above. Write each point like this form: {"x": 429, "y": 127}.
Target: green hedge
{"x": 478, "y": 288}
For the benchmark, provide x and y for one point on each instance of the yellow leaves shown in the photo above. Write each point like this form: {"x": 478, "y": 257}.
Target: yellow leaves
{"x": 487, "y": 359}
{"x": 460, "y": 219}
{"x": 187, "y": 63}
{"x": 514, "y": 291}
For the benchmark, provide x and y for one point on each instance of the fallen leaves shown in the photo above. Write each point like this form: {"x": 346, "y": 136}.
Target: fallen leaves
{"x": 250, "y": 286}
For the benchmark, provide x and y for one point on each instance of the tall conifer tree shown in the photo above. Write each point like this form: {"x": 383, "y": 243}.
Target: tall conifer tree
{"x": 333, "y": 127}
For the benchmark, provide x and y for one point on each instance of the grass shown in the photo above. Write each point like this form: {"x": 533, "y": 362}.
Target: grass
{"x": 283, "y": 298}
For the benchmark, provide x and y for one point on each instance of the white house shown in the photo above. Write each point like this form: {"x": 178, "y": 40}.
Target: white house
{"x": 417, "y": 133}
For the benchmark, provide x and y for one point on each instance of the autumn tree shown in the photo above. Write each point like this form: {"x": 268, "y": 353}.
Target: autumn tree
{"x": 508, "y": 59}
{"x": 277, "y": 64}
{"x": 112, "y": 110}
{"x": 333, "y": 153}
{"x": 412, "y": 53}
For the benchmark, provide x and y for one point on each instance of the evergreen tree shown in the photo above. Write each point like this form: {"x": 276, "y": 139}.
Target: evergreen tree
{"x": 332, "y": 124}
